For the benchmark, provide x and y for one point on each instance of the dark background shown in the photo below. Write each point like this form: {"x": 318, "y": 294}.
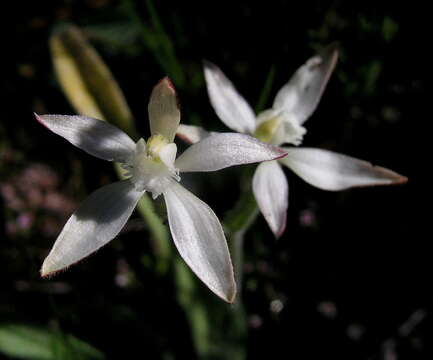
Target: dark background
{"x": 350, "y": 277}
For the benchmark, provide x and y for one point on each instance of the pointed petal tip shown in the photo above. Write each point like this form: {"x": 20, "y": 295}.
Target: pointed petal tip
{"x": 332, "y": 171}
{"x": 40, "y": 120}
{"x": 332, "y": 49}
{"x": 48, "y": 269}
{"x": 166, "y": 81}
{"x": 164, "y": 109}
{"x": 400, "y": 180}
{"x": 271, "y": 191}
{"x": 230, "y": 297}
{"x": 43, "y": 273}
{"x": 329, "y": 55}
{"x": 281, "y": 153}
{"x": 281, "y": 230}
{"x": 208, "y": 64}
{"x": 47, "y": 272}
{"x": 167, "y": 84}
{"x": 184, "y": 138}
{"x": 393, "y": 177}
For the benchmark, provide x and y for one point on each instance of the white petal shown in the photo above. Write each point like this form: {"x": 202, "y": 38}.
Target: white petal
{"x": 164, "y": 114}
{"x": 199, "y": 237}
{"x": 96, "y": 137}
{"x": 301, "y": 95}
{"x": 331, "y": 171}
{"x": 140, "y": 148}
{"x": 97, "y": 221}
{"x": 271, "y": 191}
{"x": 229, "y": 105}
{"x": 191, "y": 134}
{"x": 168, "y": 155}
{"x": 224, "y": 150}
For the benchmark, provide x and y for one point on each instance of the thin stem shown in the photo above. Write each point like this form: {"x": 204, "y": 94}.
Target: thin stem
{"x": 158, "y": 232}
{"x": 237, "y": 223}
{"x": 157, "y": 41}
{"x": 264, "y": 96}
{"x": 167, "y": 44}
{"x": 236, "y": 244}
{"x": 157, "y": 229}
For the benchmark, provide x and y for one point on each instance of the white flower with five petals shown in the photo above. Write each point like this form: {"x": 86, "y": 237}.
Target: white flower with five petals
{"x": 283, "y": 123}
{"x": 152, "y": 166}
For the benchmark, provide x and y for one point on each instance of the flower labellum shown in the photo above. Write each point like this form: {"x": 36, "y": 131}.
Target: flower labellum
{"x": 152, "y": 166}
{"x": 283, "y": 124}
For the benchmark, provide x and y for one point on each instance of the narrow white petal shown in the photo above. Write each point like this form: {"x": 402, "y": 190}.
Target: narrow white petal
{"x": 271, "y": 191}
{"x": 97, "y": 221}
{"x": 96, "y": 137}
{"x": 164, "y": 114}
{"x": 199, "y": 237}
{"x": 301, "y": 95}
{"x": 224, "y": 150}
{"x": 168, "y": 155}
{"x": 191, "y": 134}
{"x": 230, "y": 106}
{"x": 331, "y": 171}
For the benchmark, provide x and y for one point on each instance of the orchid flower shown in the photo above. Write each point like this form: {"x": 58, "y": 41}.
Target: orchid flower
{"x": 152, "y": 166}
{"x": 283, "y": 124}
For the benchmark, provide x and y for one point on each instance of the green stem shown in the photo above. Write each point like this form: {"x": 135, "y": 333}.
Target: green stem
{"x": 219, "y": 330}
{"x": 157, "y": 41}
{"x": 229, "y": 343}
{"x": 158, "y": 231}
{"x": 264, "y": 96}
{"x": 237, "y": 222}
{"x": 167, "y": 44}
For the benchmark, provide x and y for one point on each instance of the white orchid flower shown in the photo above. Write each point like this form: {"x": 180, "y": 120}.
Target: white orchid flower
{"x": 281, "y": 124}
{"x": 152, "y": 166}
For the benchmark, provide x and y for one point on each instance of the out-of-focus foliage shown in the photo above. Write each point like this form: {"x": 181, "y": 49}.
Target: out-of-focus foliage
{"x": 29, "y": 342}
{"x": 86, "y": 80}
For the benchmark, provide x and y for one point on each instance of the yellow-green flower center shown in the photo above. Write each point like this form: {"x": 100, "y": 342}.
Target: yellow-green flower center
{"x": 152, "y": 166}
{"x": 154, "y": 145}
{"x": 266, "y": 130}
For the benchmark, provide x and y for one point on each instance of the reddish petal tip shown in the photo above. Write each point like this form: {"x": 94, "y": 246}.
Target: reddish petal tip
{"x": 282, "y": 229}
{"x": 401, "y": 180}
{"x": 47, "y": 275}
{"x": 165, "y": 87}
{"x": 40, "y": 120}
{"x": 166, "y": 81}
{"x": 184, "y": 138}
{"x": 281, "y": 152}
{"x": 232, "y": 297}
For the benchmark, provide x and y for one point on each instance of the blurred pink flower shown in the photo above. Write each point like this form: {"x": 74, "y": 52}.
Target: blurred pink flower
{"x": 25, "y": 220}
{"x": 31, "y": 190}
